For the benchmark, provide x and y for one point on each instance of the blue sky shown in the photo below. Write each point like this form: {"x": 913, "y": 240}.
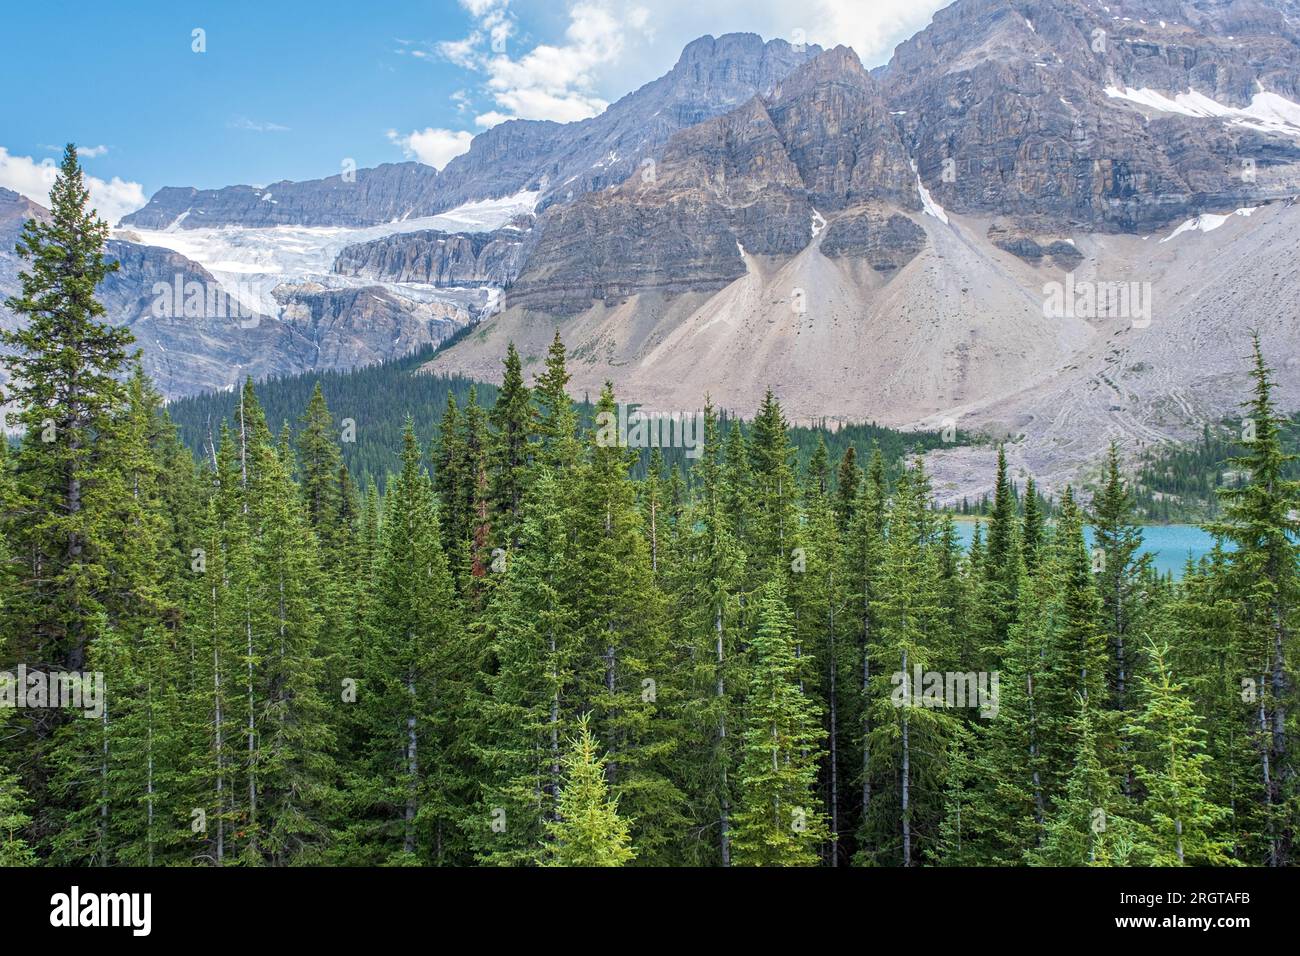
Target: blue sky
{"x": 289, "y": 89}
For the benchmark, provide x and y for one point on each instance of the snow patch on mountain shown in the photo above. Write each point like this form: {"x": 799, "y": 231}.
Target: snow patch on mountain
{"x": 250, "y": 262}
{"x": 1208, "y": 222}
{"x": 1267, "y": 112}
{"x": 928, "y": 204}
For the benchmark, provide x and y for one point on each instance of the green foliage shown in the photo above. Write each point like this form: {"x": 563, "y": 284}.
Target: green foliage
{"x": 300, "y": 672}
{"x": 588, "y": 830}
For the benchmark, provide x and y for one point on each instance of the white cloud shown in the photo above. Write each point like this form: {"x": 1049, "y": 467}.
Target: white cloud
{"x": 433, "y": 147}
{"x": 491, "y": 118}
{"x": 113, "y": 198}
{"x": 551, "y": 81}
{"x": 243, "y": 122}
{"x": 90, "y": 152}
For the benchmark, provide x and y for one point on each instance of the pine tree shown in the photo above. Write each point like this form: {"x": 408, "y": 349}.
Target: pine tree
{"x": 510, "y": 450}
{"x": 778, "y": 821}
{"x": 910, "y": 738}
{"x": 774, "y": 492}
{"x": 63, "y": 365}
{"x": 319, "y": 461}
{"x": 848, "y": 478}
{"x": 1262, "y": 519}
{"x": 1090, "y": 825}
{"x": 557, "y": 427}
{"x": 623, "y": 675}
{"x": 1121, "y": 569}
{"x": 863, "y": 560}
{"x": 826, "y": 637}
{"x": 589, "y": 831}
{"x": 405, "y": 709}
{"x": 1175, "y": 773}
{"x": 1000, "y": 560}
{"x": 525, "y": 714}
{"x": 707, "y": 583}
{"x": 1031, "y": 526}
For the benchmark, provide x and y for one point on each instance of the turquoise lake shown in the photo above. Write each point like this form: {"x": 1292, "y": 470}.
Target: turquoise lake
{"x": 1169, "y": 544}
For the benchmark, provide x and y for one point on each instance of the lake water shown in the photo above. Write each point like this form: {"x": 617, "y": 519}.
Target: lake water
{"x": 1170, "y": 544}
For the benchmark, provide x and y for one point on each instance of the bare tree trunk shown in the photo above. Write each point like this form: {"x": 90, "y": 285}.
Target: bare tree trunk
{"x": 724, "y": 803}
{"x": 835, "y": 776}
{"x": 907, "y": 769}
{"x": 654, "y": 536}
{"x": 866, "y": 710}
{"x": 1039, "y": 810}
{"x": 103, "y": 787}
{"x": 221, "y": 777}
{"x": 412, "y": 767}
{"x": 1266, "y": 766}
{"x": 149, "y": 779}
{"x": 555, "y": 730}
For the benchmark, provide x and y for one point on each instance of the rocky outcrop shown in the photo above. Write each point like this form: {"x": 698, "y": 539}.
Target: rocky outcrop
{"x": 361, "y": 326}
{"x": 886, "y": 240}
{"x": 1035, "y": 248}
{"x": 444, "y": 259}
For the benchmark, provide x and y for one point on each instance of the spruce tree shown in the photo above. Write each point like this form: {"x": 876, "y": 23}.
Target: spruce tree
{"x": 589, "y": 831}
{"x": 64, "y": 365}
{"x": 526, "y": 713}
{"x": 1091, "y": 824}
{"x": 848, "y": 477}
{"x": 1262, "y": 520}
{"x": 510, "y": 451}
{"x": 1175, "y": 772}
{"x": 779, "y": 820}
{"x": 1121, "y": 569}
{"x": 707, "y": 583}
{"x": 405, "y": 709}
{"x": 557, "y": 426}
{"x": 623, "y": 675}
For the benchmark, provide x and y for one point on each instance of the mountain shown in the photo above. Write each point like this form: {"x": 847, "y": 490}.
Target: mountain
{"x": 895, "y": 245}
{"x": 888, "y": 245}
{"x": 438, "y": 258}
{"x": 193, "y": 336}
{"x": 368, "y": 197}
{"x": 1060, "y": 112}
{"x": 555, "y": 160}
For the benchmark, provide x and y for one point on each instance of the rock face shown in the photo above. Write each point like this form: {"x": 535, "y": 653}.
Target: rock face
{"x": 193, "y": 337}
{"x": 362, "y": 326}
{"x": 444, "y": 259}
{"x": 759, "y": 180}
{"x": 886, "y": 245}
{"x": 555, "y": 159}
{"x": 387, "y": 192}
{"x": 1041, "y": 109}
{"x": 1047, "y": 115}
{"x": 886, "y": 240}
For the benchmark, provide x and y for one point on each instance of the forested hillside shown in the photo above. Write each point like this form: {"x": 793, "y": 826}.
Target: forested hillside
{"x": 1182, "y": 483}
{"x": 379, "y": 398}
{"x": 521, "y": 654}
